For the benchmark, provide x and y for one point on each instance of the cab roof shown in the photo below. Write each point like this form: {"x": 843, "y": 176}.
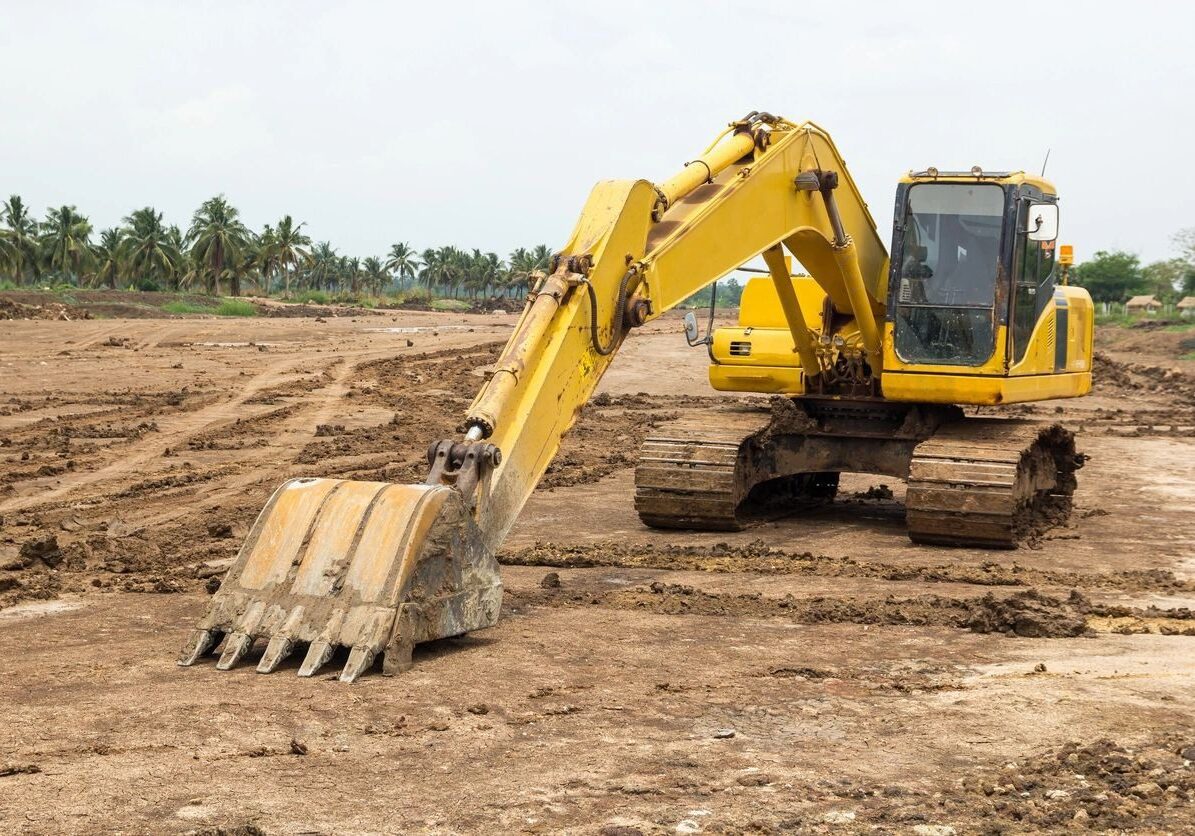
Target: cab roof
{"x": 978, "y": 175}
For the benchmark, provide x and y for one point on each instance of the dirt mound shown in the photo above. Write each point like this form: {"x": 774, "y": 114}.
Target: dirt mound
{"x": 1112, "y": 376}
{"x": 50, "y": 310}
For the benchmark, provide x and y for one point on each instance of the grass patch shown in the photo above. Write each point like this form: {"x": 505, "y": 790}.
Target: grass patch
{"x": 181, "y": 307}
{"x": 1123, "y": 320}
{"x": 235, "y": 307}
{"x": 311, "y": 297}
{"x": 1179, "y": 327}
{"x": 449, "y": 305}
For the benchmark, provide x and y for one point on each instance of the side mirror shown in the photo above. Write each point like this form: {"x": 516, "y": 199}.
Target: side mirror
{"x": 691, "y": 328}
{"x": 1042, "y": 224}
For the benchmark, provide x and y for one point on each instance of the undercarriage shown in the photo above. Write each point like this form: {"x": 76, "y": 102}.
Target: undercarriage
{"x": 972, "y": 481}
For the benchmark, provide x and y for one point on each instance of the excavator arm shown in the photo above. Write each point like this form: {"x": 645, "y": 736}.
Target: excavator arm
{"x": 378, "y": 568}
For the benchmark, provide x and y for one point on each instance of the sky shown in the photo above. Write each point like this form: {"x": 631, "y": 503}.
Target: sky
{"x": 486, "y": 124}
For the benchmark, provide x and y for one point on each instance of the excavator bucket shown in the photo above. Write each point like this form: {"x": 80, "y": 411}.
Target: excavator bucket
{"x": 370, "y": 566}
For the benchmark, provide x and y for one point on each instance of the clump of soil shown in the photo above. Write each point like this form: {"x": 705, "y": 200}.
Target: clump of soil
{"x": 1030, "y": 614}
{"x": 875, "y": 492}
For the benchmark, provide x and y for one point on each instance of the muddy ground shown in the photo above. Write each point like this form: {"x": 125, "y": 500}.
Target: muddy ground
{"x": 811, "y": 674}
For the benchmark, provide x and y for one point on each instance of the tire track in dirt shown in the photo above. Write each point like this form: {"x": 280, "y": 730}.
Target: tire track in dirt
{"x": 267, "y": 466}
{"x": 97, "y": 336}
{"x": 172, "y": 431}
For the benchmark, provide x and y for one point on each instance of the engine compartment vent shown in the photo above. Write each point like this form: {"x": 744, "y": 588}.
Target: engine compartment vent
{"x": 740, "y": 348}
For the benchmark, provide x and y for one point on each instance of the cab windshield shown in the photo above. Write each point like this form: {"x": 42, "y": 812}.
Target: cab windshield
{"x": 945, "y": 305}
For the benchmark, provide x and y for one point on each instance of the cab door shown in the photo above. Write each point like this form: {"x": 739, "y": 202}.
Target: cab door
{"x": 1032, "y": 287}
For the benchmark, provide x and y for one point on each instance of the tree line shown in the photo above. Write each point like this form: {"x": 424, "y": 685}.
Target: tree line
{"x": 218, "y": 253}
{"x": 1115, "y": 275}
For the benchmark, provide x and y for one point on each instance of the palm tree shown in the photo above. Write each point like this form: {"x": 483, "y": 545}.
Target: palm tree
{"x": 493, "y": 272}
{"x": 184, "y": 268}
{"x": 522, "y": 265}
{"x": 325, "y": 266}
{"x": 430, "y": 259}
{"x": 149, "y": 251}
{"x": 66, "y": 241}
{"x": 218, "y": 239}
{"x": 541, "y": 255}
{"x": 21, "y": 238}
{"x": 109, "y": 254}
{"x": 287, "y": 248}
{"x": 375, "y": 274}
{"x": 247, "y": 267}
{"x": 267, "y": 264}
{"x": 448, "y": 269}
{"x": 402, "y": 261}
{"x": 350, "y": 269}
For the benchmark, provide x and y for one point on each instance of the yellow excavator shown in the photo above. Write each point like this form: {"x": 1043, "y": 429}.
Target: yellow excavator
{"x": 869, "y": 361}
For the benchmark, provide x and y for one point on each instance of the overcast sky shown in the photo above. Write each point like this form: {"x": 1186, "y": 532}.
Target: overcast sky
{"x": 485, "y": 124}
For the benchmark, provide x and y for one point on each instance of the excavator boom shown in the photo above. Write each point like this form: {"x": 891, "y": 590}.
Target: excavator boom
{"x": 378, "y": 568}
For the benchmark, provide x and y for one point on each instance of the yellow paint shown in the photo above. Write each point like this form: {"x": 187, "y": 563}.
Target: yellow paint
{"x": 990, "y": 391}
{"x": 767, "y": 379}
{"x": 283, "y": 527}
{"x": 333, "y": 534}
{"x": 387, "y": 532}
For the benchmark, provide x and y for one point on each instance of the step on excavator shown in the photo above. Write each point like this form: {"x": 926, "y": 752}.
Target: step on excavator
{"x": 869, "y": 359}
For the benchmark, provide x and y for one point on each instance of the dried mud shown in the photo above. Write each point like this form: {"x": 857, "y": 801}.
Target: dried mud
{"x": 760, "y": 558}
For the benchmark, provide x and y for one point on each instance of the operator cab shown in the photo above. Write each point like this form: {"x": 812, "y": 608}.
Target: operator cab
{"x": 960, "y": 242}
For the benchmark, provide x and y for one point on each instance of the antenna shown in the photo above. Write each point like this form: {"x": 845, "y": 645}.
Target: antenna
{"x": 1044, "y": 162}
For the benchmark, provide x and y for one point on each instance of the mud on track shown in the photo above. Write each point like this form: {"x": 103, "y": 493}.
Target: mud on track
{"x": 812, "y": 674}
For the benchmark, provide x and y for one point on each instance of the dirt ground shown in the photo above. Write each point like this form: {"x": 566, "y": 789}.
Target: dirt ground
{"x": 812, "y": 674}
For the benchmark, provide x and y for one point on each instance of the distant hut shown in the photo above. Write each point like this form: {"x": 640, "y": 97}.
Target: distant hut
{"x": 1187, "y": 306}
{"x": 1142, "y": 304}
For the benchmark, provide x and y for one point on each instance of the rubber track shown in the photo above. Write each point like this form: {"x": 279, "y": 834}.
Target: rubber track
{"x": 986, "y": 482}
{"x": 687, "y": 476}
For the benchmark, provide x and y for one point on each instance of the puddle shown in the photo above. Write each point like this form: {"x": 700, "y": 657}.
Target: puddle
{"x": 421, "y": 329}
{"x": 37, "y": 609}
{"x": 230, "y": 345}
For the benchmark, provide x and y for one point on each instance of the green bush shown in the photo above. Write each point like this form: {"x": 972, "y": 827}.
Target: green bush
{"x": 148, "y": 285}
{"x": 235, "y": 307}
{"x": 7, "y": 284}
{"x": 311, "y": 297}
{"x": 412, "y": 294}
{"x": 449, "y": 305}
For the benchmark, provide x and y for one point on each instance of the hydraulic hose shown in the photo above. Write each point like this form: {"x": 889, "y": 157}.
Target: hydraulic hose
{"x": 615, "y": 329}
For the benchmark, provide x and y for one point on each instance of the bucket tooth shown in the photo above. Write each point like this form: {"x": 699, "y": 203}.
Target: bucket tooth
{"x": 277, "y": 650}
{"x": 199, "y": 644}
{"x": 360, "y": 658}
{"x": 235, "y": 648}
{"x": 318, "y": 655}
